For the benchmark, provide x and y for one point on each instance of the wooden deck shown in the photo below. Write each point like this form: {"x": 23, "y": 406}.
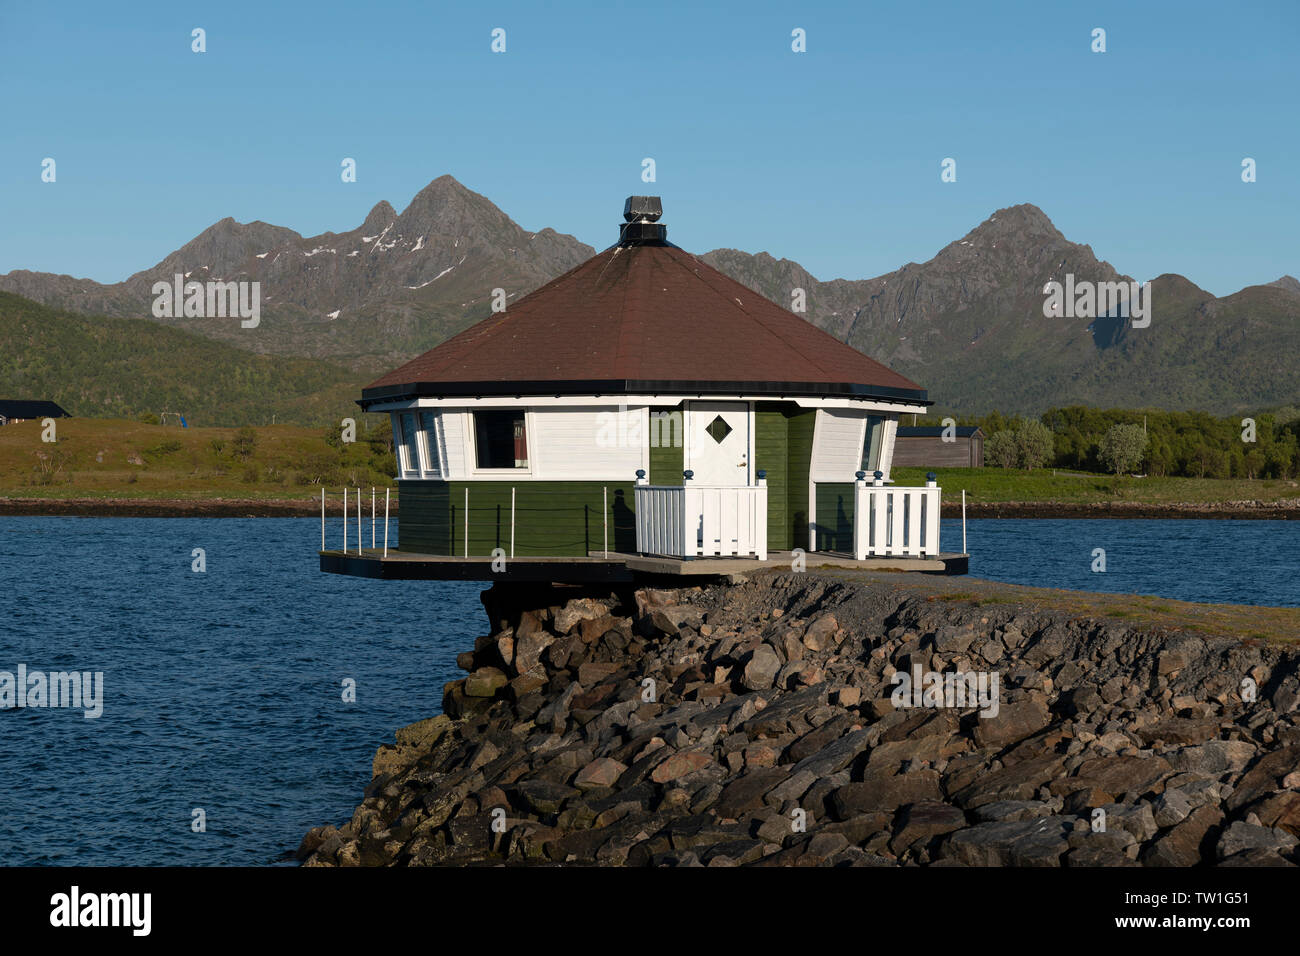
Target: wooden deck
{"x": 616, "y": 567}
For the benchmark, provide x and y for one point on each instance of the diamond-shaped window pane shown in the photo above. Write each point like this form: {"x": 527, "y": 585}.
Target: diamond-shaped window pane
{"x": 718, "y": 429}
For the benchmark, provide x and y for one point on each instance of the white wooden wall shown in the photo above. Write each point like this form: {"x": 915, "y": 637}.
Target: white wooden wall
{"x": 588, "y": 444}
{"x": 564, "y": 444}
{"x": 453, "y": 428}
{"x": 837, "y": 443}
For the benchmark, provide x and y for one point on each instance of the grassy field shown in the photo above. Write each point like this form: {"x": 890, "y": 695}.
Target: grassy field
{"x": 1044, "y": 485}
{"x": 109, "y": 458}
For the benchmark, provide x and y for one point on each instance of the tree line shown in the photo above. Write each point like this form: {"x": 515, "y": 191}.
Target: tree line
{"x": 1157, "y": 442}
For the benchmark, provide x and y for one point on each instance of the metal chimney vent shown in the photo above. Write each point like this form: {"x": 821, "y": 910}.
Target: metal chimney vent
{"x": 641, "y": 224}
{"x": 643, "y": 209}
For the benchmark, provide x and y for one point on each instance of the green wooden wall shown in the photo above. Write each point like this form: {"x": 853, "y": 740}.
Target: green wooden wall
{"x": 834, "y": 524}
{"x": 556, "y": 518}
{"x": 772, "y": 454}
{"x": 783, "y": 448}
{"x": 800, "y": 422}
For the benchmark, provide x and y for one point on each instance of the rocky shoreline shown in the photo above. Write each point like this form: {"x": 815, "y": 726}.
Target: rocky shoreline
{"x": 757, "y": 722}
{"x": 165, "y": 507}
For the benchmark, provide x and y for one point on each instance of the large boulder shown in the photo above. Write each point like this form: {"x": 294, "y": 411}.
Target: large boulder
{"x": 1041, "y": 842}
{"x": 761, "y": 668}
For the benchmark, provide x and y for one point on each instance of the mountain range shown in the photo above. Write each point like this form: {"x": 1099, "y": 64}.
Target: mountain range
{"x": 967, "y": 324}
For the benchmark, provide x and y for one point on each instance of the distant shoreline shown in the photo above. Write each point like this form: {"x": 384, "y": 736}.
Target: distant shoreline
{"x": 310, "y": 508}
{"x": 167, "y": 508}
{"x": 1226, "y": 510}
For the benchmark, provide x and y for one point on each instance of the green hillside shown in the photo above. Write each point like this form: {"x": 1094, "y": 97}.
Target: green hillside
{"x": 124, "y": 368}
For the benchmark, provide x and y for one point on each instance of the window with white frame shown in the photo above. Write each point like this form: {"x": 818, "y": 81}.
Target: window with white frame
{"x": 875, "y": 436}
{"x": 404, "y": 441}
{"x": 433, "y": 445}
{"x": 500, "y": 439}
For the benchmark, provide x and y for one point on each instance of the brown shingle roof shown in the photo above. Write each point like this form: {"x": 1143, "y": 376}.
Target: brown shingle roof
{"x": 638, "y": 318}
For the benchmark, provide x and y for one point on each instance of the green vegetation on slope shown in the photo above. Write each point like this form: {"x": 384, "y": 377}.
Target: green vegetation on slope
{"x": 1224, "y": 355}
{"x": 96, "y": 366}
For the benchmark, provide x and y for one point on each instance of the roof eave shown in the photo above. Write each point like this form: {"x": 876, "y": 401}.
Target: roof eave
{"x": 411, "y": 390}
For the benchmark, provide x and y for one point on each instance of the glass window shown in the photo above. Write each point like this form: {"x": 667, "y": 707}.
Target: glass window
{"x": 404, "y": 439}
{"x": 871, "y": 447}
{"x": 432, "y": 446}
{"x": 500, "y": 440}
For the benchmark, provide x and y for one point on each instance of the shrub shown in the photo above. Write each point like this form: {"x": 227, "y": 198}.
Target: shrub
{"x": 1122, "y": 447}
{"x": 51, "y": 465}
{"x": 244, "y": 442}
{"x": 1000, "y": 449}
{"x": 168, "y": 446}
{"x": 1035, "y": 445}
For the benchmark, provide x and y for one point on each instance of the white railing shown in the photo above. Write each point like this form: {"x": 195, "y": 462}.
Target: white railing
{"x": 687, "y": 521}
{"x": 373, "y": 519}
{"x": 895, "y": 522}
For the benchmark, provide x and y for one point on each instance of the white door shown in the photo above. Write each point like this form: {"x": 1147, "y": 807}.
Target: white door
{"x": 718, "y": 443}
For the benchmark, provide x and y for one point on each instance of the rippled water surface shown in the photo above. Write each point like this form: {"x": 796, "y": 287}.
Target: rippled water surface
{"x": 223, "y": 690}
{"x": 1223, "y": 562}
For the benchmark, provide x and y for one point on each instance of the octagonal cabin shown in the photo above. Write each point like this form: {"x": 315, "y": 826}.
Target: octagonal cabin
{"x": 644, "y": 404}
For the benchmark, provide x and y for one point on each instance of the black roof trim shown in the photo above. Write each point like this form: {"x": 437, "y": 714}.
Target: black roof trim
{"x": 393, "y": 393}
{"x": 25, "y": 408}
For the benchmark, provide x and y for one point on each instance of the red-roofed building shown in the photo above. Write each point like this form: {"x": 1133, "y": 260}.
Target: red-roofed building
{"x": 642, "y": 403}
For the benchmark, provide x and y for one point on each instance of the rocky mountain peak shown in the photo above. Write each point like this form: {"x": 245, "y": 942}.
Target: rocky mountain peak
{"x": 446, "y": 208}
{"x": 222, "y": 248}
{"x": 1022, "y": 221}
{"x": 1287, "y": 284}
{"x": 379, "y": 218}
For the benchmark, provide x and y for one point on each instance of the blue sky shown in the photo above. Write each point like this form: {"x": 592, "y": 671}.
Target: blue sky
{"x": 830, "y": 157}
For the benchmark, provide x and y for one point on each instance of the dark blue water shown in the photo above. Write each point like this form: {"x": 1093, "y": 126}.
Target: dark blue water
{"x": 1222, "y": 562}
{"x": 223, "y": 689}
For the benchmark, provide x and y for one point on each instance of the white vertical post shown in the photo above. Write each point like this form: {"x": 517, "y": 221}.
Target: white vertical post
{"x": 930, "y": 540}
{"x": 322, "y": 518}
{"x": 467, "y": 521}
{"x": 963, "y": 521}
{"x": 605, "y": 491}
{"x": 372, "y": 517}
{"x": 387, "y": 495}
{"x": 345, "y": 520}
{"x": 861, "y": 516}
{"x": 896, "y": 510}
{"x": 512, "y": 521}
{"x": 358, "y": 521}
{"x": 881, "y": 503}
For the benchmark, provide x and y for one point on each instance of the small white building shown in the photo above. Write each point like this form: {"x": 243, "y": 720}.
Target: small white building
{"x": 645, "y": 403}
